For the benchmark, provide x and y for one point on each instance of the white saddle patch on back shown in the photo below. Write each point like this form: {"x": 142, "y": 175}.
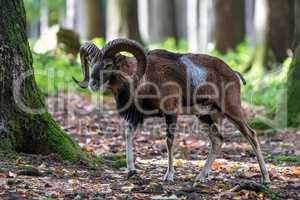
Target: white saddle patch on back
{"x": 196, "y": 74}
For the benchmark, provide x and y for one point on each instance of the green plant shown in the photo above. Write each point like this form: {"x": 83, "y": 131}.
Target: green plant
{"x": 116, "y": 160}
{"x": 286, "y": 159}
{"x": 54, "y": 73}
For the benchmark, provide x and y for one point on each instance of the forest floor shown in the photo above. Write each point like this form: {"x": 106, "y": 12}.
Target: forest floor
{"x": 234, "y": 174}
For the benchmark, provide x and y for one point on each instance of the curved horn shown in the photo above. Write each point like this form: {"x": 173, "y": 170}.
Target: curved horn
{"x": 116, "y": 46}
{"x": 89, "y": 52}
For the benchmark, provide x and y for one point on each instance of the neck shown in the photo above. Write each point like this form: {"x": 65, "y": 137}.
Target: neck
{"x": 126, "y": 107}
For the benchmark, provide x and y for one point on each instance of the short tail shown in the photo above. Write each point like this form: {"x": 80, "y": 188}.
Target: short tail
{"x": 241, "y": 77}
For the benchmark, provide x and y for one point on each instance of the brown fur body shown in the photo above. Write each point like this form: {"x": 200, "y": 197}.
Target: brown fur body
{"x": 165, "y": 67}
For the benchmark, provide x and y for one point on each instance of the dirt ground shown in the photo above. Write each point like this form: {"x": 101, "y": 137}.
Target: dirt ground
{"x": 235, "y": 173}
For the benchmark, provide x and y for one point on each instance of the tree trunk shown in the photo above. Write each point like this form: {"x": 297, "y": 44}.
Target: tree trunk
{"x": 122, "y": 19}
{"x": 44, "y": 20}
{"x": 70, "y": 21}
{"x": 90, "y": 18}
{"x": 293, "y": 86}
{"x": 297, "y": 25}
{"x": 192, "y": 26}
{"x": 294, "y": 90}
{"x": 249, "y": 20}
{"x": 158, "y": 20}
{"x": 230, "y": 26}
{"x": 132, "y": 20}
{"x": 261, "y": 22}
{"x": 280, "y": 33}
{"x": 181, "y": 19}
{"x": 273, "y": 33}
{"x": 25, "y": 124}
{"x": 199, "y": 19}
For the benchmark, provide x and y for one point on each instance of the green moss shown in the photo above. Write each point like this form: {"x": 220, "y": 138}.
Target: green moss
{"x": 294, "y": 91}
{"x": 258, "y": 124}
{"x": 41, "y": 134}
{"x": 59, "y": 142}
{"x": 5, "y": 144}
{"x": 259, "y": 60}
{"x": 286, "y": 159}
{"x": 116, "y": 160}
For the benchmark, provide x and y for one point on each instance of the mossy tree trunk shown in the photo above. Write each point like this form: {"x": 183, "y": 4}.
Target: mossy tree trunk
{"x": 294, "y": 90}
{"x": 293, "y": 86}
{"x": 22, "y": 127}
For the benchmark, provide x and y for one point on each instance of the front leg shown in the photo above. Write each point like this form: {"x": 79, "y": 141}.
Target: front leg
{"x": 171, "y": 127}
{"x": 129, "y": 150}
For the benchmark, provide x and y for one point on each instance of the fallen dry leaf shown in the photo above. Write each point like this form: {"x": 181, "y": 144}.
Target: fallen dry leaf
{"x": 216, "y": 165}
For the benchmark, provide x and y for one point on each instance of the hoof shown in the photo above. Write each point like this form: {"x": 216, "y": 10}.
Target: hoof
{"x": 131, "y": 174}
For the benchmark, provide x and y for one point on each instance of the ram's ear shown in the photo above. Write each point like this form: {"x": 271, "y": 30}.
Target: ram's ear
{"x": 119, "y": 59}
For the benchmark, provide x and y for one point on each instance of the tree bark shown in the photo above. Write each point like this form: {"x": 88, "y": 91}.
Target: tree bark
{"x": 193, "y": 26}
{"x": 181, "y": 19}
{"x": 122, "y": 19}
{"x": 230, "y": 26}
{"x": 132, "y": 20}
{"x": 249, "y": 20}
{"x": 70, "y": 20}
{"x": 273, "y": 33}
{"x": 297, "y": 25}
{"x": 280, "y": 32}
{"x": 199, "y": 19}
{"x": 90, "y": 18}
{"x": 44, "y": 19}
{"x": 293, "y": 86}
{"x": 294, "y": 90}
{"x": 158, "y": 20}
{"x": 25, "y": 124}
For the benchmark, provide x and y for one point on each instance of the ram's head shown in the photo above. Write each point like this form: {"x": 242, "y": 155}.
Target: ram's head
{"x": 105, "y": 63}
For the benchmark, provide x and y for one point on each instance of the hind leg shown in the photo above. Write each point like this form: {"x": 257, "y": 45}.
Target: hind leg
{"x": 216, "y": 141}
{"x": 250, "y": 135}
{"x": 252, "y": 138}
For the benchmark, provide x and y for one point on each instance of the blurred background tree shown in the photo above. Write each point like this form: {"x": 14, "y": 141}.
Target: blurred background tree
{"x": 122, "y": 17}
{"x": 294, "y": 75}
{"x": 230, "y": 24}
{"x": 204, "y": 24}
